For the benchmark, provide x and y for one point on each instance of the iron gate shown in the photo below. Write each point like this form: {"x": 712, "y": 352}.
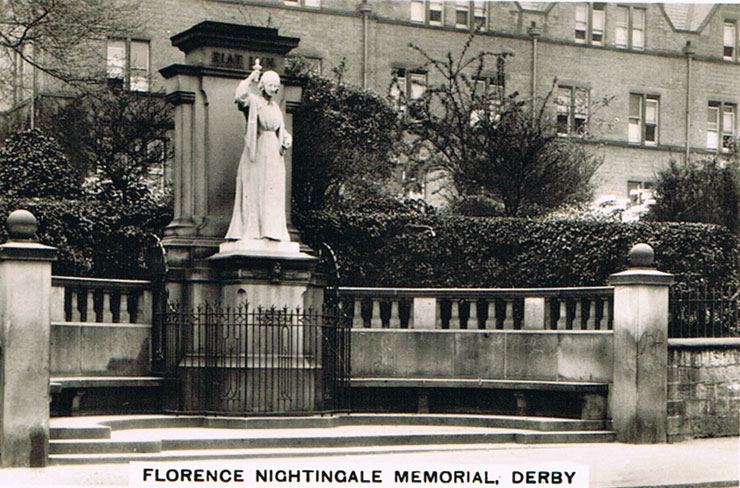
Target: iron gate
{"x": 246, "y": 360}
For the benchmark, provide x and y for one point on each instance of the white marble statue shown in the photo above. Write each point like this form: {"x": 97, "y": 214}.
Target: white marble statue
{"x": 259, "y": 203}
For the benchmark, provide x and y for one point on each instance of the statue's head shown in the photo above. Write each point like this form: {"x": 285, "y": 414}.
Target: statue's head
{"x": 270, "y": 83}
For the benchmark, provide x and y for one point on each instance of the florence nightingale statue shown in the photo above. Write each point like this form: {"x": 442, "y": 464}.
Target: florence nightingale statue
{"x": 259, "y": 203}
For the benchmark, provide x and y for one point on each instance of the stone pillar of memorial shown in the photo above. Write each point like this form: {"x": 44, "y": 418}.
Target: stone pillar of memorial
{"x": 638, "y": 394}
{"x": 25, "y": 296}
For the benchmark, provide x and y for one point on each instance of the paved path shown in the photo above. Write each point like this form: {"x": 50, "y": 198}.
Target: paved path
{"x": 707, "y": 462}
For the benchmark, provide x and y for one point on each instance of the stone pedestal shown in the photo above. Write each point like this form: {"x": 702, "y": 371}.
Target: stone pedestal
{"x": 272, "y": 274}
{"x": 25, "y": 318}
{"x": 638, "y": 395}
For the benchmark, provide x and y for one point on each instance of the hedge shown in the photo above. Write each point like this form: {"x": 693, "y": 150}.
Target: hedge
{"x": 417, "y": 250}
{"x": 92, "y": 237}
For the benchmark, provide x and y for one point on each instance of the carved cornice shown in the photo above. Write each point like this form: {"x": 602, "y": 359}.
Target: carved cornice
{"x": 180, "y": 97}
{"x": 234, "y": 36}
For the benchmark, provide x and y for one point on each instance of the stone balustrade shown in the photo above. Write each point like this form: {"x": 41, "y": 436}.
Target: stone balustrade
{"x": 585, "y": 308}
{"x": 92, "y": 300}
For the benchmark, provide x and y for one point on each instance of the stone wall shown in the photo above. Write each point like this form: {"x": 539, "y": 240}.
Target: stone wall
{"x": 488, "y": 354}
{"x": 703, "y": 388}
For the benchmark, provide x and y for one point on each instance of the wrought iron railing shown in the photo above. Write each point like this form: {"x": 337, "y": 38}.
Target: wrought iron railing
{"x": 257, "y": 360}
{"x": 701, "y": 311}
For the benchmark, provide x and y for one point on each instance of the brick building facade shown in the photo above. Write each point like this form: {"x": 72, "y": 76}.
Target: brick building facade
{"x": 668, "y": 70}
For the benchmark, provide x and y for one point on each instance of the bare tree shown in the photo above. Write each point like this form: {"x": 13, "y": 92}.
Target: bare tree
{"x": 59, "y": 38}
{"x": 488, "y": 144}
{"x": 116, "y": 134}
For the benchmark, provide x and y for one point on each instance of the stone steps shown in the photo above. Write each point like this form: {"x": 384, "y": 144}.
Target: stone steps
{"x": 122, "y": 439}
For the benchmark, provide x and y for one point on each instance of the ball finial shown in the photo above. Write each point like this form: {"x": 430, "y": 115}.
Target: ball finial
{"x": 22, "y": 225}
{"x": 641, "y": 256}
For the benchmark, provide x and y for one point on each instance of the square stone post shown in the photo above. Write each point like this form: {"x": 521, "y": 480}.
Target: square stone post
{"x": 638, "y": 396}
{"x": 25, "y": 300}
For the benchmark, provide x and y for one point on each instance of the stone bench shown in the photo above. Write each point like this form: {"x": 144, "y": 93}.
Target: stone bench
{"x": 592, "y": 395}
{"x": 73, "y": 388}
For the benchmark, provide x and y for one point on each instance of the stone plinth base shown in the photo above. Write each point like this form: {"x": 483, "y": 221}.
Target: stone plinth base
{"x": 267, "y": 274}
{"x": 259, "y": 246}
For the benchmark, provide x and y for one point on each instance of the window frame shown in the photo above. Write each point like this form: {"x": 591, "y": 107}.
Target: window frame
{"x": 573, "y": 129}
{"x": 639, "y": 187}
{"x": 642, "y": 119}
{"x": 426, "y": 10}
{"x": 721, "y": 131}
{"x": 589, "y": 24}
{"x": 406, "y": 87}
{"x": 128, "y": 70}
{"x": 476, "y": 6}
{"x": 734, "y": 57}
{"x": 630, "y": 28}
{"x": 463, "y": 6}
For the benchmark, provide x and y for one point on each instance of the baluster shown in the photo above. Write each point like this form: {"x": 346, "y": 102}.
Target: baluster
{"x": 356, "y": 305}
{"x": 473, "y": 314}
{"x": 125, "y": 318}
{"x": 454, "y": 313}
{"x": 509, "y": 314}
{"x": 375, "y": 321}
{"x": 107, "y": 305}
{"x": 591, "y": 324}
{"x": 144, "y": 307}
{"x": 366, "y": 310}
{"x": 563, "y": 315}
{"x": 90, "y": 301}
{"x": 395, "y": 318}
{"x": 577, "y": 314}
{"x": 492, "y": 319}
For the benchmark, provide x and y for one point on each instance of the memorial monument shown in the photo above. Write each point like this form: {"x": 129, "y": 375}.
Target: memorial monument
{"x": 244, "y": 339}
{"x": 231, "y": 239}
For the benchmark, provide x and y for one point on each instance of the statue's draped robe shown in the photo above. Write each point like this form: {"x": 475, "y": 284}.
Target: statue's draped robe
{"x": 259, "y": 203}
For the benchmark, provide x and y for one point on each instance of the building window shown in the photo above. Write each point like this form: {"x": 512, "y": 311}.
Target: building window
{"x": 488, "y": 94}
{"x": 644, "y": 111}
{"x": 463, "y": 19}
{"x": 462, "y": 14}
{"x": 572, "y": 109}
{"x": 407, "y": 86}
{"x": 590, "y": 22}
{"x": 729, "y": 51}
{"x": 427, "y": 12}
{"x": 721, "y": 126}
{"x": 128, "y": 63}
{"x": 640, "y": 192}
{"x": 630, "y": 28}
{"x": 480, "y": 19}
{"x": 303, "y": 3}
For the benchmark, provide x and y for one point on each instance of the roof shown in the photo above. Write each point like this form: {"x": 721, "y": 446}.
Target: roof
{"x": 688, "y": 16}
